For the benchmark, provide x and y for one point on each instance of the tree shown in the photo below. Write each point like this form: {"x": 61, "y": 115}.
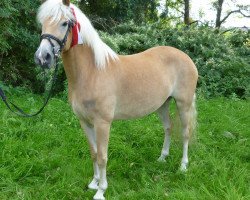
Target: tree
{"x": 186, "y": 12}
{"x": 177, "y": 7}
{"x": 106, "y": 11}
{"x": 218, "y": 5}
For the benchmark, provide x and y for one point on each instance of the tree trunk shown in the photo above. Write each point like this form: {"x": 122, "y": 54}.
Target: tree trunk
{"x": 218, "y": 14}
{"x": 186, "y": 12}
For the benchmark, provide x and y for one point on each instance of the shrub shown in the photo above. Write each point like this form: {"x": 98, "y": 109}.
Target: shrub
{"x": 18, "y": 38}
{"x": 222, "y": 60}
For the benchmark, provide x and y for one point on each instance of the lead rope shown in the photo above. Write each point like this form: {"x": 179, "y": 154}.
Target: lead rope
{"x": 19, "y": 111}
{"x": 56, "y": 55}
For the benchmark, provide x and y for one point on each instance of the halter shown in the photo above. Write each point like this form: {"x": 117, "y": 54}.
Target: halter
{"x": 62, "y": 42}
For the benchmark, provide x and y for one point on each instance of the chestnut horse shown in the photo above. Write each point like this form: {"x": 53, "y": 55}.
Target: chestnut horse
{"x": 104, "y": 86}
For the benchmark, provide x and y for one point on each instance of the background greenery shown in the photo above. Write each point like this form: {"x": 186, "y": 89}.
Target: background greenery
{"x": 222, "y": 60}
{"x": 222, "y": 57}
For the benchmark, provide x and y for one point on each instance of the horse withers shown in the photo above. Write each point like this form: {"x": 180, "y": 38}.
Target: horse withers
{"x": 104, "y": 86}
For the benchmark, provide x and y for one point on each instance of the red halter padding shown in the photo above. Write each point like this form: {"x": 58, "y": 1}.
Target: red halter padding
{"x": 75, "y": 31}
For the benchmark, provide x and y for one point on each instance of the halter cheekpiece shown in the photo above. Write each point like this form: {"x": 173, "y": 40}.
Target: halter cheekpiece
{"x": 62, "y": 42}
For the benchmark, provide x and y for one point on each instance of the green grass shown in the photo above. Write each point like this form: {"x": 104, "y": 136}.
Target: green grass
{"x": 47, "y": 157}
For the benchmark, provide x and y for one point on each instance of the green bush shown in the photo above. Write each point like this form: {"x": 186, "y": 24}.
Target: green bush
{"x": 18, "y": 38}
{"x": 222, "y": 60}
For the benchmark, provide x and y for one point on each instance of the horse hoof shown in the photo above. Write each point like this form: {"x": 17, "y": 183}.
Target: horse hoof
{"x": 183, "y": 167}
{"x": 99, "y": 195}
{"x": 161, "y": 159}
{"x": 99, "y": 198}
{"x": 93, "y": 185}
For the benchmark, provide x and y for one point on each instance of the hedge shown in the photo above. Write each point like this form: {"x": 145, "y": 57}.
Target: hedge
{"x": 222, "y": 59}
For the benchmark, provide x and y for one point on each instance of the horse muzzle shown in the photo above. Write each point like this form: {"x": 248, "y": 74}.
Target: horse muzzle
{"x": 44, "y": 58}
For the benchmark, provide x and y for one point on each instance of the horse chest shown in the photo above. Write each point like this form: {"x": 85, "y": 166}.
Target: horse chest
{"x": 84, "y": 109}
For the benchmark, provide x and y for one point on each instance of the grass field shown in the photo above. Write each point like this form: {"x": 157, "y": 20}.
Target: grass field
{"x": 47, "y": 157}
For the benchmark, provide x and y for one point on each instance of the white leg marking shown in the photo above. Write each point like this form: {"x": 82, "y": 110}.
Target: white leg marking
{"x": 91, "y": 135}
{"x": 103, "y": 184}
{"x": 184, "y": 161}
{"x": 165, "y": 118}
{"x": 184, "y": 111}
{"x": 94, "y": 183}
{"x": 166, "y": 146}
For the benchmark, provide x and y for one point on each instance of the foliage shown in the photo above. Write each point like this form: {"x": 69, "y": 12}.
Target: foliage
{"x": 48, "y": 156}
{"x": 19, "y": 37}
{"x": 174, "y": 9}
{"x": 238, "y": 8}
{"x": 222, "y": 60}
{"x": 119, "y": 11}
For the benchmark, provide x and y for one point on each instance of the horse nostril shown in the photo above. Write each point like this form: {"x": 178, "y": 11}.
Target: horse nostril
{"x": 48, "y": 58}
{"x": 44, "y": 59}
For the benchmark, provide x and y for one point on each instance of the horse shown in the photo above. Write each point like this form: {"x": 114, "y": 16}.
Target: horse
{"x": 104, "y": 86}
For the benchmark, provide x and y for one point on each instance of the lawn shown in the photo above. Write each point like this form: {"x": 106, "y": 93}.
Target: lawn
{"x": 47, "y": 157}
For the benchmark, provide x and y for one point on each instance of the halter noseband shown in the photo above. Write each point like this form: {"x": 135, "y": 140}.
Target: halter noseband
{"x": 60, "y": 42}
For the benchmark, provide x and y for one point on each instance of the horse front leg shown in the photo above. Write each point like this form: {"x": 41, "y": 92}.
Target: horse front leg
{"x": 102, "y": 129}
{"x": 91, "y": 137}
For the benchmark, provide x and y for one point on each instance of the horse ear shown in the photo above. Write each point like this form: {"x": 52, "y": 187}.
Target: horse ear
{"x": 66, "y": 2}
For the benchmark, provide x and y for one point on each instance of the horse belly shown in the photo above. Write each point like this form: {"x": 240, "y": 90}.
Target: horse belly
{"x": 135, "y": 112}
{"x": 138, "y": 104}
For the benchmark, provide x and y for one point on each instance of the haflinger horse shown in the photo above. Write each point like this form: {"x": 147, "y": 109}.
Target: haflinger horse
{"x": 104, "y": 86}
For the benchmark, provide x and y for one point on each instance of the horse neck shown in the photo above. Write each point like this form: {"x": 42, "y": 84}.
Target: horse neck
{"x": 79, "y": 66}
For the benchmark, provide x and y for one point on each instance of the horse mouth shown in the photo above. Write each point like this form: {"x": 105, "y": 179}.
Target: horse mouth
{"x": 44, "y": 61}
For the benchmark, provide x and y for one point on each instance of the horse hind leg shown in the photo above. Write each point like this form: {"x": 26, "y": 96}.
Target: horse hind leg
{"x": 187, "y": 114}
{"x": 163, "y": 112}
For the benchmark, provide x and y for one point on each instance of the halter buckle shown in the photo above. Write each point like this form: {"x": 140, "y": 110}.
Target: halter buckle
{"x": 57, "y": 53}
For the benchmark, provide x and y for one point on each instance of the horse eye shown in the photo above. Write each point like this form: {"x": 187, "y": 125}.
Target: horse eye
{"x": 65, "y": 24}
